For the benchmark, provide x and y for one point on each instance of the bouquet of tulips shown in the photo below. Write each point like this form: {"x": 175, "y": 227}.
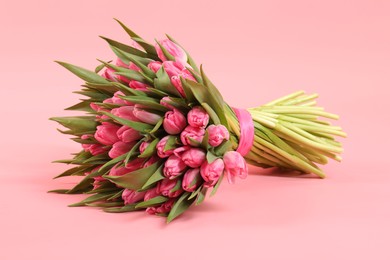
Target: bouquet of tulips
{"x": 158, "y": 134}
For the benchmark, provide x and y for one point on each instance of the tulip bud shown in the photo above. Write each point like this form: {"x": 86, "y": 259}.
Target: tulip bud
{"x": 177, "y": 52}
{"x": 165, "y": 101}
{"x": 217, "y": 134}
{"x": 198, "y": 117}
{"x": 138, "y": 85}
{"x": 127, "y": 134}
{"x": 193, "y": 157}
{"x": 154, "y": 66}
{"x": 135, "y": 164}
{"x": 125, "y": 112}
{"x": 211, "y": 172}
{"x": 118, "y": 170}
{"x": 173, "y": 167}
{"x": 106, "y": 134}
{"x": 161, "y": 152}
{"x": 146, "y": 116}
{"x": 172, "y": 68}
{"x": 143, "y": 146}
{"x": 191, "y": 180}
{"x": 132, "y": 196}
{"x": 174, "y": 122}
{"x": 150, "y": 194}
{"x": 151, "y": 161}
{"x": 170, "y": 188}
{"x": 235, "y": 166}
{"x": 191, "y": 132}
{"x": 120, "y": 148}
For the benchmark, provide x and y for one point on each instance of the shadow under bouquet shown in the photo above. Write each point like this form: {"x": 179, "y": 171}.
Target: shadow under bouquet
{"x": 158, "y": 135}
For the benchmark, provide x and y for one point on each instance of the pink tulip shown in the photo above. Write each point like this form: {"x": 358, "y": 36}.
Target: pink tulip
{"x": 127, "y": 134}
{"x": 170, "y": 188}
{"x": 172, "y": 68}
{"x": 117, "y": 100}
{"x": 143, "y": 146}
{"x": 150, "y": 194}
{"x": 235, "y": 166}
{"x": 217, "y": 134}
{"x": 94, "y": 149}
{"x": 125, "y": 112}
{"x": 118, "y": 170}
{"x": 211, "y": 172}
{"x": 132, "y": 196}
{"x": 120, "y": 148}
{"x": 161, "y": 152}
{"x": 146, "y": 116}
{"x": 191, "y": 180}
{"x": 165, "y": 101}
{"x": 134, "y": 67}
{"x": 120, "y": 63}
{"x": 194, "y": 157}
{"x": 173, "y": 167}
{"x": 138, "y": 85}
{"x": 176, "y": 82}
{"x": 178, "y": 53}
{"x": 151, "y": 161}
{"x": 190, "y": 132}
{"x": 109, "y": 73}
{"x": 162, "y": 209}
{"x": 135, "y": 164}
{"x": 174, "y": 122}
{"x": 154, "y": 66}
{"x": 106, "y": 134}
{"x": 198, "y": 117}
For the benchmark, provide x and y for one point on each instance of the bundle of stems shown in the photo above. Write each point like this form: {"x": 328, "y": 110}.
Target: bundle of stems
{"x": 290, "y": 133}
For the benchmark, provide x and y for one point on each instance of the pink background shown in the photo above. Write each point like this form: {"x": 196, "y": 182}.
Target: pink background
{"x": 254, "y": 51}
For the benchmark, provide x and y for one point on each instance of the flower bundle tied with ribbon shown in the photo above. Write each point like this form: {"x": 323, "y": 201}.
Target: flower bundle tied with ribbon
{"x": 158, "y": 134}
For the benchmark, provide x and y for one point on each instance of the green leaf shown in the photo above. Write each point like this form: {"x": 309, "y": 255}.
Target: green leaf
{"x": 211, "y": 157}
{"x": 205, "y": 141}
{"x": 126, "y": 208}
{"x": 128, "y": 73}
{"x": 98, "y": 159}
{"x": 138, "y": 61}
{"x": 85, "y": 184}
{"x": 156, "y": 177}
{"x": 59, "y": 191}
{"x": 216, "y": 185}
{"x": 93, "y": 198}
{"x": 171, "y": 143}
{"x": 213, "y": 116}
{"x": 84, "y": 74}
{"x": 127, "y": 90}
{"x": 126, "y": 48}
{"x": 206, "y": 95}
{"x": 96, "y": 96}
{"x": 134, "y": 151}
{"x": 201, "y": 196}
{"x": 76, "y": 171}
{"x": 106, "y": 88}
{"x": 99, "y": 68}
{"x": 148, "y": 102}
{"x": 138, "y": 126}
{"x": 195, "y": 193}
{"x": 188, "y": 91}
{"x": 82, "y": 106}
{"x": 77, "y": 123}
{"x": 181, "y": 205}
{"x": 136, "y": 179}
{"x": 111, "y": 163}
{"x": 156, "y": 127}
{"x": 105, "y": 204}
{"x": 150, "y": 150}
{"x": 223, "y": 148}
{"x": 163, "y": 83}
{"x": 148, "y": 47}
{"x": 152, "y": 202}
{"x": 190, "y": 59}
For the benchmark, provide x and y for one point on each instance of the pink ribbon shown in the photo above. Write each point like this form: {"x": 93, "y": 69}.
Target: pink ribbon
{"x": 247, "y": 131}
